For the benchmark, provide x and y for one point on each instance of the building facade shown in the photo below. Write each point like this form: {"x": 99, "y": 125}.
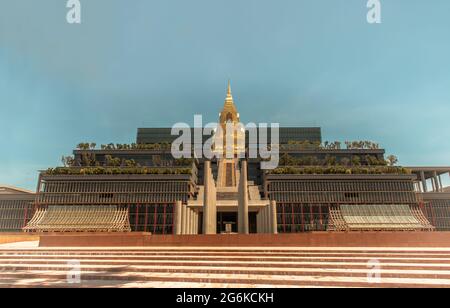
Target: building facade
{"x": 317, "y": 186}
{"x": 16, "y": 208}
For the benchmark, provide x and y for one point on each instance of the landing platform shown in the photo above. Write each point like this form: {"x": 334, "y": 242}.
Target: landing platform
{"x": 315, "y": 239}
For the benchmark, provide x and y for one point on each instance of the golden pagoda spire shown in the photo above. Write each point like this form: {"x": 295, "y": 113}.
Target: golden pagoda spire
{"x": 229, "y": 111}
{"x": 229, "y": 96}
{"x": 229, "y": 115}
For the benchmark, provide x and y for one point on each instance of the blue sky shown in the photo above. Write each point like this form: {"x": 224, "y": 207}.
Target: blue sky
{"x": 145, "y": 63}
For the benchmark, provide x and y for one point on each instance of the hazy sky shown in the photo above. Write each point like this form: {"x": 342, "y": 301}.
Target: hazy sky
{"x": 145, "y": 63}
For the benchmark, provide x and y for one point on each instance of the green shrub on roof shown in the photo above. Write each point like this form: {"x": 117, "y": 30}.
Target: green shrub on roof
{"x": 340, "y": 170}
{"x": 115, "y": 170}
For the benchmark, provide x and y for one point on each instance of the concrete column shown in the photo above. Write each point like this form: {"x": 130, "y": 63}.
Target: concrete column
{"x": 440, "y": 182}
{"x": 433, "y": 183}
{"x": 183, "y": 219}
{"x": 243, "y": 201}
{"x": 209, "y": 201}
{"x": 273, "y": 216}
{"x": 188, "y": 221}
{"x": 192, "y": 221}
{"x": 195, "y": 222}
{"x": 258, "y": 222}
{"x": 206, "y": 199}
{"x": 269, "y": 219}
{"x": 213, "y": 212}
{"x": 424, "y": 181}
{"x": 436, "y": 181}
{"x": 265, "y": 220}
{"x": 206, "y": 204}
{"x": 178, "y": 213}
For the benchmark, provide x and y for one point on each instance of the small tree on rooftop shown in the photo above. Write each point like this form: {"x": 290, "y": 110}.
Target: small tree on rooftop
{"x": 345, "y": 161}
{"x": 67, "y": 161}
{"x": 392, "y": 160}
{"x": 330, "y": 160}
{"x": 356, "y": 160}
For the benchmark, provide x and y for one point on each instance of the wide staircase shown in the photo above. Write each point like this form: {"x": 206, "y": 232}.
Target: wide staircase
{"x": 225, "y": 267}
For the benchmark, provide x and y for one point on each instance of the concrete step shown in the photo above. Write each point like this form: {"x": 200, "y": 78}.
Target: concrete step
{"x": 222, "y": 267}
{"x": 231, "y": 258}
{"x": 176, "y": 263}
{"x": 223, "y": 279}
{"x": 228, "y": 253}
{"x": 41, "y": 283}
{"x": 157, "y": 269}
{"x": 292, "y": 250}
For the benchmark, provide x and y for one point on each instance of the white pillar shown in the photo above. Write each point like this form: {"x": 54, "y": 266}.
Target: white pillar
{"x": 192, "y": 221}
{"x": 417, "y": 187}
{"x": 436, "y": 181}
{"x": 424, "y": 181}
{"x": 243, "y": 201}
{"x": 264, "y": 219}
{"x": 184, "y": 219}
{"x": 258, "y": 222}
{"x": 189, "y": 221}
{"x": 273, "y": 216}
{"x": 209, "y": 201}
{"x": 178, "y": 213}
{"x": 267, "y": 218}
{"x": 195, "y": 222}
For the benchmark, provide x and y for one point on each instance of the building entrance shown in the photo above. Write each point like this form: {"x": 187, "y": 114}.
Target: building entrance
{"x": 227, "y": 222}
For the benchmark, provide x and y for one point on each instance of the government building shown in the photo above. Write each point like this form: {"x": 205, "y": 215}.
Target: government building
{"x": 317, "y": 186}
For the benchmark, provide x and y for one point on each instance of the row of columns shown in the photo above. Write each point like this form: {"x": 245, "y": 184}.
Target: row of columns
{"x": 436, "y": 183}
{"x": 186, "y": 219}
{"x": 266, "y": 219}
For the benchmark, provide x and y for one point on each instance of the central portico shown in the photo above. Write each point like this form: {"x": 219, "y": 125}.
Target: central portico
{"x": 227, "y": 202}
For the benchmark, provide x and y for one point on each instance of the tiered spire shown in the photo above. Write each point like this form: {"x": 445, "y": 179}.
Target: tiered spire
{"x": 229, "y": 111}
{"x": 229, "y": 98}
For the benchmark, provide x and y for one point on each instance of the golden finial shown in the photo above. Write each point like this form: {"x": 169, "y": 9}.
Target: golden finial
{"x": 229, "y": 96}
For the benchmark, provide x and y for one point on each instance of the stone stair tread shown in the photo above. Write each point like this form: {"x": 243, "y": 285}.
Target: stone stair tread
{"x": 243, "y": 258}
{"x": 275, "y": 279}
{"x": 142, "y": 268}
{"x": 409, "y": 263}
{"x": 234, "y": 249}
{"x": 257, "y": 256}
{"x": 37, "y": 282}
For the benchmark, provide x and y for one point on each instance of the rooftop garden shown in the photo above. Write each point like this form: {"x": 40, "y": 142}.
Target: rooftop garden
{"x": 367, "y": 164}
{"x": 89, "y": 159}
{"x": 330, "y": 160}
{"x": 327, "y": 145}
{"x": 340, "y": 170}
{"x": 336, "y": 145}
{"x": 115, "y": 170}
{"x": 86, "y": 146}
